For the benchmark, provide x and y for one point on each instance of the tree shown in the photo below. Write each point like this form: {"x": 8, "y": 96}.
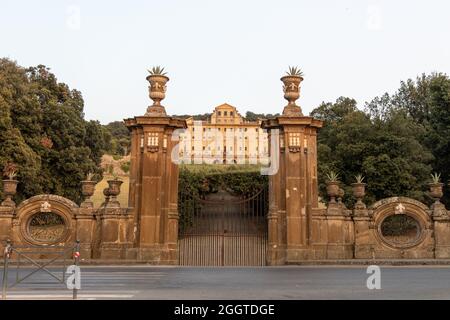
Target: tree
{"x": 385, "y": 150}
{"x": 120, "y": 140}
{"x": 427, "y": 102}
{"x": 43, "y": 131}
{"x": 250, "y": 116}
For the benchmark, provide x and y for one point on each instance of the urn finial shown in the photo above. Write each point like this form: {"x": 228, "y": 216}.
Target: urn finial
{"x": 157, "y": 91}
{"x": 291, "y": 89}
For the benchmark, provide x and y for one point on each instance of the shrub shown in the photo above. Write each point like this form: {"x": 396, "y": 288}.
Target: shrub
{"x": 196, "y": 181}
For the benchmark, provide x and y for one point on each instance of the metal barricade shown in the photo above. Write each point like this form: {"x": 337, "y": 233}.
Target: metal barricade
{"x": 23, "y": 253}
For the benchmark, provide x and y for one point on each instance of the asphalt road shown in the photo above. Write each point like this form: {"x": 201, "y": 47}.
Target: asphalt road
{"x": 290, "y": 282}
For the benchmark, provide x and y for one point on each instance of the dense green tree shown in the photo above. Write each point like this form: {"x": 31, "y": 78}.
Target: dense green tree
{"x": 251, "y": 116}
{"x": 119, "y": 138}
{"x": 203, "y": 116}
{"x": 427, "y": 102}
{"x": 44, "y": 132}
{"x": 386, "y": 150}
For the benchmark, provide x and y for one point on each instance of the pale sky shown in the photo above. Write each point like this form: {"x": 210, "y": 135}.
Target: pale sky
{"x": 226, "y": 51}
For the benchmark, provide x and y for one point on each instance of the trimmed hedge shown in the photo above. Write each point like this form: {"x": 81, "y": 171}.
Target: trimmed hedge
{"x": 196, "y": 181}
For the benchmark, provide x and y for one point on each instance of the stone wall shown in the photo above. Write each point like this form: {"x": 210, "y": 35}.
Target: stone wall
{"x": 46, "y": 220}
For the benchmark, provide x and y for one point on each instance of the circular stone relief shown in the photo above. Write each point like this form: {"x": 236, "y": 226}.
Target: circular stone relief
{"x": 400, "y": 230}
{"x": 46, "y": 227}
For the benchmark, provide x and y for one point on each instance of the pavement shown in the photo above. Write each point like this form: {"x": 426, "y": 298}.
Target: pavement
{"x": 248, "y": 283}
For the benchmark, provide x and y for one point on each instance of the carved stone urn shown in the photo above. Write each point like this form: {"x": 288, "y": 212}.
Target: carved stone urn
{"x": 9, "y": 190}
{"x": 112, "y": 192}
{"x": 87, "y": 190}
{"x": 291, "y": 88}
{"x": 359, "y": 191}
{"x": 436, "y": 191}
{"x": 333, "y": 190}
{"x": 157, "y": 92}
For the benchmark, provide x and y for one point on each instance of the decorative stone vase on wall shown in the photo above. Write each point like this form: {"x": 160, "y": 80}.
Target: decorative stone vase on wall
{"x": 291, "y": 90}
{"x": 112, "y": 192}
{"x": 359, "y": 191}
{"x": 333, "y": 190}
{"x": 87, "y": 190}
{"x": 9, "y": 190}
{"x": 157, "y": 92}
{"x": 436, "y": 191}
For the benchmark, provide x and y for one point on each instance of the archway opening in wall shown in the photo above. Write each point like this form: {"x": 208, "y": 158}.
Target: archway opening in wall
{"x": 218, "y": 225}
{"x": 400, "y": 230}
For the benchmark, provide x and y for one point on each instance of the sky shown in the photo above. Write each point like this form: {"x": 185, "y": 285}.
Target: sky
{"x": 231, "y": 51}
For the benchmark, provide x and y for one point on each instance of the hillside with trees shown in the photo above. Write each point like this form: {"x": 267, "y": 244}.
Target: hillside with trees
{"x": 396, "y": 141}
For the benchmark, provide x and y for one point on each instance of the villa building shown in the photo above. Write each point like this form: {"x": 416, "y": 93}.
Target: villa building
{"x": 226, "y": 137}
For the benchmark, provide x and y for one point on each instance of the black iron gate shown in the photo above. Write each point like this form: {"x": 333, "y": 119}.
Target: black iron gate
{"x": 226, "y": 231}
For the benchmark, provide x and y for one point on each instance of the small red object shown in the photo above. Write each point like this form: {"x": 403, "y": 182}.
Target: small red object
{"x": 76, "y": 255}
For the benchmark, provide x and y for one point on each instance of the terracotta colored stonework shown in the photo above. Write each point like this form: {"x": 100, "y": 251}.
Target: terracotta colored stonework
{"x": 298, "y": 229}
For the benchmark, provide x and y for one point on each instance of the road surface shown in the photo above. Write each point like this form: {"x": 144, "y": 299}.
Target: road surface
{"x": 289, "y": 282}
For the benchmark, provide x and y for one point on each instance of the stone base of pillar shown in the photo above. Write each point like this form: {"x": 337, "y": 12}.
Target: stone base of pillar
{"x": 114, "y": 251}
{"x": 86, "y": 251}
{"x": 339, "y": 251}
{"x": 276, "y": 256}
{"x": 364, "y": 251}
{"x": 158, "y": 255}
{"x": 442, "y": 252}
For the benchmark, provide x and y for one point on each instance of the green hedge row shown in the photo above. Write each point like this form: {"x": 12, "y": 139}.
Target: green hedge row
{"x": 196, "y": 181}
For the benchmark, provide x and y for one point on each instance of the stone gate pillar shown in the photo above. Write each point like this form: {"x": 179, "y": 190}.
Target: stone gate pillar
{"x": 154, "y": 179}
{"x": 293, "y": 187}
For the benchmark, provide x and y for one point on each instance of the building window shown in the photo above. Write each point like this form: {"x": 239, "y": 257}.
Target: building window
{"x": 219, "y": 113}
{"x": 192, "y": 148}
{"x": 256, "y": 129}
{"x": 225, "y": 113}
{"x": 204, "y": 148}
{"x": 152, "y": 139}
{"x": 245, "y": 129}
{"x": 231, "y": 113}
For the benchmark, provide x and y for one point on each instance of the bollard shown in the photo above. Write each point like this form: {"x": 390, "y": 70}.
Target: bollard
{"x": 6, "y": 256}
{"x": 76, "y": 256}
